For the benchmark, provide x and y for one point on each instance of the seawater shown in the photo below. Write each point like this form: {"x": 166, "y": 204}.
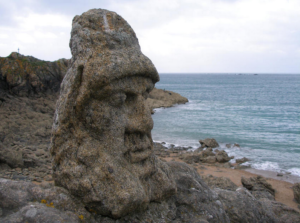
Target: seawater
{"x": 259, "y": 112}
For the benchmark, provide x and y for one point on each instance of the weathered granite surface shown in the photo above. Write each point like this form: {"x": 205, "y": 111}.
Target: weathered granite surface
{"x": 102, "y": 147}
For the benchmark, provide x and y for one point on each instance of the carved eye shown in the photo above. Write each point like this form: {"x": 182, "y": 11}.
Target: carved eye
{"x": 130, "y": 97}
{"x": 117, "y": 99}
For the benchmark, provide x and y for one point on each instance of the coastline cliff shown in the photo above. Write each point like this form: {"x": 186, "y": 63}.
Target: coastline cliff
{"x": 28, "y": 76}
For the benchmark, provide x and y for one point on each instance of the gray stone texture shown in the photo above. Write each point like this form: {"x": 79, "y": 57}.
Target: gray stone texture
{"x": 102, "y": 147}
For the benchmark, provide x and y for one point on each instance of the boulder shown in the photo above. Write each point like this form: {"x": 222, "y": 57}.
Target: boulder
{"x": 222, "y": 157}
{"x": 296, "y": 190}
{"x": 280, "y": 212}
{"x": 191, "y": 158}
{"x": 242, "y": 160}
{"x": 195, "y": 201}
{"x": 26, "y": 202}
{"x": 242, "y": 206}
{"x": 207, "y": 152}
{"x": 209, "y": 159}
{"x": 11, "y": 157}
{"x": 101, "y": 146}
{"x": 209, "y": 143}
{"x": 259, "y": 187}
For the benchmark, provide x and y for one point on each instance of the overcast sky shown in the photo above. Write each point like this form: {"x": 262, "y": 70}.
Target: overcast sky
{"x": 252, "y": 36}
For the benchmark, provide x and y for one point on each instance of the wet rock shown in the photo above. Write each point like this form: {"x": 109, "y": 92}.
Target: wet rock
{"x": 222, "y": 157}
{"x": 259, "y": 187}
{"x": 209, "y": 143}
{"x": 228, "y": 146}
{"x": 242, "y": 160}
{"x": 101, "y": 114}
{"x": 296, "y": 190}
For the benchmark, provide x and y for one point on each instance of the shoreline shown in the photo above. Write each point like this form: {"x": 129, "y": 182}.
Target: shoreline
{"x": 285, "y": 175}
{"x": 272, "y": 174}
{"x": 282, "y": 185}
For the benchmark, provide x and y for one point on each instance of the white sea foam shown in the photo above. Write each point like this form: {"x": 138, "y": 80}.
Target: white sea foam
{"x": 271, "y": 166}
{"x": 294, "y": 171}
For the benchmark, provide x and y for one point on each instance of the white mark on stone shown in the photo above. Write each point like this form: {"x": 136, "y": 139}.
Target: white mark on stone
{"x": 106, "y": 23}
{"x": 31, "y": 213}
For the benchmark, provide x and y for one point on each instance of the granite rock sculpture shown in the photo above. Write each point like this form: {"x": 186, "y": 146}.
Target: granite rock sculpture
{"x": 101, "y": 146}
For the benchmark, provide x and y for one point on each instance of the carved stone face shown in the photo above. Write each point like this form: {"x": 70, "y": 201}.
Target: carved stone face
{"x": 101, "y": 146}
{"x": 117, "y": 115}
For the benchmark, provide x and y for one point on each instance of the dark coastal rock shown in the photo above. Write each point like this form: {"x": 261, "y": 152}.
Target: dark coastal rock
{"x": 296, "y": 190}
{"x": 222, "y": 157}
{"x": 280, "y": 212}
{"x": 161, "y": 98}
{"x": 195, "y": 201}
{"x": 209, "y": 143}
{"x": 241, "y": 206}
{"x": 219, "y": 182}
{"x": 259, "y": 187}
{"x": 102, "y": 147}
{"x": 242, "y": 160}
{"x": 27, "y": 76}
{"x": 206, "y": 156}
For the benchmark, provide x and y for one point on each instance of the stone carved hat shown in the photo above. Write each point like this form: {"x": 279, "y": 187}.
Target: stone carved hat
{"x": 101, "y": 146}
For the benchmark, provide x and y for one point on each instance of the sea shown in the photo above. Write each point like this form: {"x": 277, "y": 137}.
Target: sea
{"x": 260, "y": 112}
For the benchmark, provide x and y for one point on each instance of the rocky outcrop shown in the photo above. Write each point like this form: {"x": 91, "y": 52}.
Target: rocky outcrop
{"x": 259, "y": 187}
{"x": 102, "y": 147}
{"x": 25, "y": 75}
{"x": 207, "y": 155}
{"x": 296, "y": 190}
{"x": 161, "y": 98}
{"x": 26, "y": 202}
{"x": 25, "y": 131}
{"x": 212, "y": 143}
{"x": 219, "y": 182}
{"x": 242, "y": 160}
{"x": 241, "y": 206}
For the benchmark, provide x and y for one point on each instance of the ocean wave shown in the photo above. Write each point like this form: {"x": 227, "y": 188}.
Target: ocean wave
{"x": 271, "y": 166}
{"x": 294, "y": 171}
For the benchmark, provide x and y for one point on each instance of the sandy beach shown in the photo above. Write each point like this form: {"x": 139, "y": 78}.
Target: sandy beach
{"x": 283, "y": 189}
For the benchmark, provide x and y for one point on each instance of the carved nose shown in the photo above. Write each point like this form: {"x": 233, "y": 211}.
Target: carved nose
{"x": 138, "y": 116}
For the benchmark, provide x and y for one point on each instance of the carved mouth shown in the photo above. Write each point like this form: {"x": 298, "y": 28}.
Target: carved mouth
{"x": 139, "y": 147}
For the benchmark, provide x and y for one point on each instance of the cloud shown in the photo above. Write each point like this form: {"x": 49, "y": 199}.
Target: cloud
{"x": 178, "y": 36}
